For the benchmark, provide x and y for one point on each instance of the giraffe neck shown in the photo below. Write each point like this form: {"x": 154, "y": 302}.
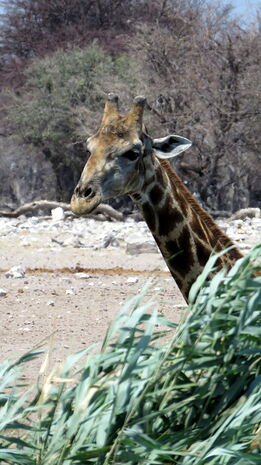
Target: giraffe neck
{"x": 184, "y": 232}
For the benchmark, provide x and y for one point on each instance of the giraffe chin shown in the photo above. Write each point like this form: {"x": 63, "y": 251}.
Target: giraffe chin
{"x": 81, "y": 206}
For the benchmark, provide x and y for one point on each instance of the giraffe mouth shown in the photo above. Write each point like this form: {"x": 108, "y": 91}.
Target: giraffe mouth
{"x": 81, "y": 206}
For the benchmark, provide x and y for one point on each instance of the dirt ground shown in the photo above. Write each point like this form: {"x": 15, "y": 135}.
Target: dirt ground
{"x": 74, "y": 294}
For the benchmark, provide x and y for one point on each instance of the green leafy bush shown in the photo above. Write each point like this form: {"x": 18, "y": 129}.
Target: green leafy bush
{"x": 61, "y": 101}
{"x": 56, "y": 85}
{"x": 194, "y": 401}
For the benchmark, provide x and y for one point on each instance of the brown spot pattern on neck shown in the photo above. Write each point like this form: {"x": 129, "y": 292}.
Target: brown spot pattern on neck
{"x": 201, "y": 223}
{"x": 184, "y": 232}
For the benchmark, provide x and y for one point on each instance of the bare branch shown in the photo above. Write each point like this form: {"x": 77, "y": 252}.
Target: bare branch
{"x": 32, "y": 207}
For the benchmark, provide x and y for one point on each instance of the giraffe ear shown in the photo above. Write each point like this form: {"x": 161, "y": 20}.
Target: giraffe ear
{"x": 170, "y": 146}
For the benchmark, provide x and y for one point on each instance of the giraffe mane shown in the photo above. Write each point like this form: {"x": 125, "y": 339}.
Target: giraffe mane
{"x": 176, "y": 182}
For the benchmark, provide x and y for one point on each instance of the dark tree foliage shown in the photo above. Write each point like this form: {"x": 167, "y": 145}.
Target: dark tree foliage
{"x": 32, "y": 28}
{"x": 29, "y": 23}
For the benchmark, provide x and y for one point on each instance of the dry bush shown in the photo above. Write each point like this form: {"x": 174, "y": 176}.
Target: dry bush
{"x": 201, "y": 71}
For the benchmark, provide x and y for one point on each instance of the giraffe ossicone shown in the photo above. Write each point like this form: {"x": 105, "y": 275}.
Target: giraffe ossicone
{"x": 124, "y": 159}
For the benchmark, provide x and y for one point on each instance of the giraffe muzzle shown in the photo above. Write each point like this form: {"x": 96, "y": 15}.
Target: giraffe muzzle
{"x": 84, "y": 199}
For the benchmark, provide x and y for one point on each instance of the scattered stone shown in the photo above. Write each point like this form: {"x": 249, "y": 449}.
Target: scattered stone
{"x": 132, "y": 236}
{"x": 111, "y": 240}
{"x": 15, "y": 272}
{"x": 56, "y": 241}
{"x": 69, "y": 292}
{"x": 57, "y": 214}
{"x": 3, "y": 293}
{"x": 73, "y": 242}
{"x": 136, "y": 245}
{"x": 82, "y": 275}
{"x": 50, "y": 303}
{"x": 66, "y": 280}
{"x": 35, "y": 220}
{"x": 25, "y": 243}
{"x": 256, "y": 222}
{"x": 245, "y": 247}
{"x": 132, "y": 280}
{"x": 223, "y": 225}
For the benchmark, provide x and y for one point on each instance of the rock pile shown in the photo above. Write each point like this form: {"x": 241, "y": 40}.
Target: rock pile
{"x": 134, "y": 237}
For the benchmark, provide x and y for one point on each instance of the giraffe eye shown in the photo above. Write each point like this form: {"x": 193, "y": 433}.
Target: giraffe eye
{"x": 131, "y": 155}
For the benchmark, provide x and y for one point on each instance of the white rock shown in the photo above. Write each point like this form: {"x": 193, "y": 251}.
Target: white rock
{"x": 50, "y": 303}
{"x": 256, "y": 222}
{"x": 15, "y": 272}
{"x": 73, "y": 242}
{"x": 25, "y": 242}
{"x": 82, "y": 275}
{"x": 246, "y": 247}
{"x": 94, "y": 235}
{"x": 222, "y": 224}
{"x": 3, "y": 293}
{"x": 134, "y": 236}
{"x": 238, "y": 223}
{"x": 110, "y": 240}
{"x": 132, "y": 280}
{"x": 66, "y": 280}
{"x": 57, "y": 214}
{"x": 69, "y": 292}
{"x": 138, "y": 247}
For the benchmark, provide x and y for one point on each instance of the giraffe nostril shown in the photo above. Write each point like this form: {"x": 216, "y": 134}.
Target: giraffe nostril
{"x": 89, "y": 193}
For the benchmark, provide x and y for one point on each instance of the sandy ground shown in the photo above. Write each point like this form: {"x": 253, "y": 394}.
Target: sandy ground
{"x": 74, "y": 294}
{"x": 74, "y": 285}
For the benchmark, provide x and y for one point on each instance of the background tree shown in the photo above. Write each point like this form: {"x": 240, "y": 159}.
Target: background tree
{"x": 196, "y": 63}
{"x": 202, "y": 70}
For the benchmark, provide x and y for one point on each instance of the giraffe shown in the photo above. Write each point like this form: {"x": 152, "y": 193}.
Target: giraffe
{"x": 124, "y": 159}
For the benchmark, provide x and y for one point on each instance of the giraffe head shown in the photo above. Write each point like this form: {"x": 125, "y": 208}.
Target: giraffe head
{"x": 121, "y": 156}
